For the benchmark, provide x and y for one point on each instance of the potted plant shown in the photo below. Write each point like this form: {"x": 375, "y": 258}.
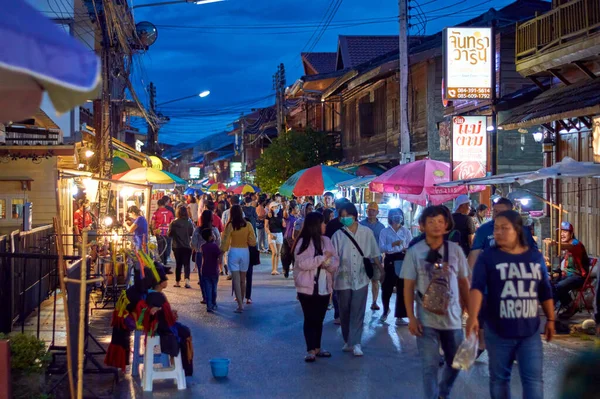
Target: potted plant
{"x": 29, "y": 360}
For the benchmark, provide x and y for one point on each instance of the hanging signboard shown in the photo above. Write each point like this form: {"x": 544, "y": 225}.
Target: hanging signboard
{"x": 468, "y": 64}
{"x": 596, "y": 139}
{"x": 469, "y": 147}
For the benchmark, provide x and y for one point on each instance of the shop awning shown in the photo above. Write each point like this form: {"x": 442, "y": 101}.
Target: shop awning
{"x": 359, "y": 182}
{"x": 563, "y": 102}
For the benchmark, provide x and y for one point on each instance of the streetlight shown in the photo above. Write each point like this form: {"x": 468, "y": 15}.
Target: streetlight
{"x": 201, "y": 95}
{"x": 165, "y": 3}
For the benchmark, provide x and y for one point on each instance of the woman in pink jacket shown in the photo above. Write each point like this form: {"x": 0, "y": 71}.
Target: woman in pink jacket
{"x": 315, "y": 264}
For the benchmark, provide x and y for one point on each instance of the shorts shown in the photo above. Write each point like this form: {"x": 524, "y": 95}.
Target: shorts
{"x": 278, "y": 238}
{"x": 238, "y": 259}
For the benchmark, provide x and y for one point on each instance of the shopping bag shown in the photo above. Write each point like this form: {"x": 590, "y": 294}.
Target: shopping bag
{"x": 466, "y": 353}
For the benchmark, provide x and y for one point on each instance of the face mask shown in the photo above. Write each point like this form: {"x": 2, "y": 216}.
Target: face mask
{"x": 397, "y": 219}
{"x": 347, "y": 220}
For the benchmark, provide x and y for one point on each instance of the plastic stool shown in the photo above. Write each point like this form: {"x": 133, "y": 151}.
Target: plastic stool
{"x": 174, "y": 372}
{"x": 138, "y": 358}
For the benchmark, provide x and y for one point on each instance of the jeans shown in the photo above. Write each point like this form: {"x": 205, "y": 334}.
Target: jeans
{"x": 183, "y": 257}
{"x": 503, "y": 352}
{"x": 314, "y": 308}
{"x": 199, "y": 269}
{"x": 262, "y": 240}
{"x": 249, "y": 281}
{"x": 565, "y": 286}
{"x": 209, "y": 286}
{"x": 163, "y": 248}
{"x": 169, "y": 249}
{"x": 336, "y": 306}
{"x": 429, "y": 350}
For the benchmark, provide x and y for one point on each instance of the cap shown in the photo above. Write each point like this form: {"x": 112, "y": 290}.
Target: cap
{"x": 273, "y": 204}
{"x": 566, "y": 226}
{"x": 461, "y": 200}
{"x": 373, "y": 205}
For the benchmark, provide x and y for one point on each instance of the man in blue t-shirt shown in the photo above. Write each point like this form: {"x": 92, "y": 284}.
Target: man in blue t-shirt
{"x": 484, "y": 236}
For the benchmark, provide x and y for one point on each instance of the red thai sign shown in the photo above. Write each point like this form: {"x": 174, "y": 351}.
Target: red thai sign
{"x": 469, "y": 147}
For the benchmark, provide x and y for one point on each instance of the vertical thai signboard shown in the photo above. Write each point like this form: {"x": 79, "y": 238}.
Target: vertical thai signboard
{"x": 469, "y": 147}
{"x": 468, "y": 64}
{"x": 596, "y": 139}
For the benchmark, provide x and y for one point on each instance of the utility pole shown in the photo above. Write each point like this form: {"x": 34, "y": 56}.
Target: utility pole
{"x": 243, "y": 148}
{"x": 152, "y": 132}
{"x": 405, "y": 154}
{"x": 279, "y": 88}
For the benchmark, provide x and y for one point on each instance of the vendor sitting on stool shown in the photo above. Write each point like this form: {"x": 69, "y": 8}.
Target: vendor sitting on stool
{"x": 574, "y": 268}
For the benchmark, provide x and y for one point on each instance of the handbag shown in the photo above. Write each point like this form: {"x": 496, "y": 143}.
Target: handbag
{"x": 437, "y": 296}
{"x": 366, "y": 261}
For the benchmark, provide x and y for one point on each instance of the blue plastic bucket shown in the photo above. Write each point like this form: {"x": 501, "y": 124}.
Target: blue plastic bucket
{"x": 219, "y": 367}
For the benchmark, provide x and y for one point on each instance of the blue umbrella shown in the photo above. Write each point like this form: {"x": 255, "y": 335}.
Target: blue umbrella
{"x": 38, "y": 55}
{"x": 192, "y": 191}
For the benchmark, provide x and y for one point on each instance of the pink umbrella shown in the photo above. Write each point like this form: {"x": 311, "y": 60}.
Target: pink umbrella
{"x": 414, "y": 182}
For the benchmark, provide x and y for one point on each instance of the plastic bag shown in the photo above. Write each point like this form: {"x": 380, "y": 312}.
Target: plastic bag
{"x": 466, "y": 353}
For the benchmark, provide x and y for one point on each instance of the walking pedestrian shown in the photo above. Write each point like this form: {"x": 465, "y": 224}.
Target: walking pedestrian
{"x": 197, "y": 243}
{"x": 464, "y": 225}
{"x": 437, "y": 269}
{"x": 210, "y": 268}
{"x": 238, "y": 236}
{"x": 181, "y": 231}
{"x": 393, "y": 242}
{"x": 353, "y": 244}
{"x": 515, "y": 280}
{"x": 376, "y": 227}
{"x": 316, "y": 263}
{"x": 161, "y": 219}
{"x": 274, "y": 227}
{"x": 261, "y": 214}
{"x": 193, "y": 209}
{"x": 288, "y": 238}
{"x": 332, "y": 227}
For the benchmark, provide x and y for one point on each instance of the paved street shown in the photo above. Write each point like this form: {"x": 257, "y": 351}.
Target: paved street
{"x": 266, "y": 348}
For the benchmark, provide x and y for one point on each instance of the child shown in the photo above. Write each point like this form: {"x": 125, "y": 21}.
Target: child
{"x": 210, "y": 269}
{"x": 174, "y": 336}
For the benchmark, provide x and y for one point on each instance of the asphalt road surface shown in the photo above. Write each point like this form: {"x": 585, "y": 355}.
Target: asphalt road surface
{"x": 266, "y": 347}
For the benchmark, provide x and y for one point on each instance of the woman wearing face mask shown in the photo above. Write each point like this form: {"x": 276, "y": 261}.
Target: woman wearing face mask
{"x": 353, "y": 242}
{"x": 138, "y": 225}
{"x": 274, "y": 227}
{"x": 393, "y": 242}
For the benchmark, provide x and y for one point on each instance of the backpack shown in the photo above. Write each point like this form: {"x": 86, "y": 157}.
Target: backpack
{"x": 437, "y": 296}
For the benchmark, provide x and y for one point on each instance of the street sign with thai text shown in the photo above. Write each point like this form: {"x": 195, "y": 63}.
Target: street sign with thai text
{"x": 468, "y": 64}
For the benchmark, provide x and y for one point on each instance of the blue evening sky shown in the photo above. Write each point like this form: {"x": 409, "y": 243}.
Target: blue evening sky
{"x": 232, "y": 48}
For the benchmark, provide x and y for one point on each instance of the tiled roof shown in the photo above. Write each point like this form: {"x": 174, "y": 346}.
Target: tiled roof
{"x": 356, "y": 50}
{"x": 319, "y": 62}
{"x": 561, "y": 102}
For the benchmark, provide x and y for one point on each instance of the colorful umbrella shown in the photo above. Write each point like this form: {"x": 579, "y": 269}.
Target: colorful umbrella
{"x": 313, "y": 181}
{"x": 368, "y": 169}
{"x": 414, "y": 182}
{"x": 178, "y": 180}
{"x": 53, "y": 61}
{"x": 217, "y": 187}
{"x": 122, "y": 165}
{"x": 192, "y": 191}
{"x": 245, "y": 189}
{"x": 145, "y": 176}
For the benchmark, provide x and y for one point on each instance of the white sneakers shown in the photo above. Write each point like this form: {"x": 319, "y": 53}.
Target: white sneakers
{"x": 383, "y": 317}
{"x": 356, "y": 349}
{"x": 187, "y": 283}
{"x": 401, "y": 322}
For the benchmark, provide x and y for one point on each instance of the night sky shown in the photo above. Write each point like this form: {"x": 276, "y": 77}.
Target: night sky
{"x": 232, "y": 48}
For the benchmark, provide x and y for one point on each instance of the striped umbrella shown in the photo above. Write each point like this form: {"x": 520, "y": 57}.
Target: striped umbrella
{"x": 145, "y": 176}
{"x": 217, "y": 187}
{"x": 122, "y": 165}
{"x": 313, "y": 181}
{"x": 178, "y": 180}
{"x": 245, "y": 189}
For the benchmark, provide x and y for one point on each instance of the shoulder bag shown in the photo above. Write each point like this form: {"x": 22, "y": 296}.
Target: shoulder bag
{"x": 366, "y": 261}
{"x": 437, "y": 296}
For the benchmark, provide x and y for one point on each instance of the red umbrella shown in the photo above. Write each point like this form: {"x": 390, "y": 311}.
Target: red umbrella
{"x": 415, "y": 182}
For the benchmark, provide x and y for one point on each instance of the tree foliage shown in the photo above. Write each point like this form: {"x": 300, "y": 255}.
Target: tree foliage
{"x": 291, "y": 152}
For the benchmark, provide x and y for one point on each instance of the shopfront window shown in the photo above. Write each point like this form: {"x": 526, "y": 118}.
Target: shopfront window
{"x": 17, "y": 208}
{"x": 2, "y": 209}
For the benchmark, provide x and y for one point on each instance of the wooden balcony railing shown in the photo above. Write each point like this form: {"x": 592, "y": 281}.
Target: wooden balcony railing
{"x": 572, "y": 20}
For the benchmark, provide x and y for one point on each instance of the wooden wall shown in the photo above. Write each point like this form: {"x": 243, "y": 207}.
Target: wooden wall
{"x": 580, "y": 196}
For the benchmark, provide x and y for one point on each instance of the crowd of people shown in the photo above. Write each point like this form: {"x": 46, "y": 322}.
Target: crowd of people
{"x": 461, "y": 270}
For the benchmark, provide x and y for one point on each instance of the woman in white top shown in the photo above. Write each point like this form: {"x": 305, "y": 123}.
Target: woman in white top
{"x": 193, "y": 209}
{"x": 393, "y": 242}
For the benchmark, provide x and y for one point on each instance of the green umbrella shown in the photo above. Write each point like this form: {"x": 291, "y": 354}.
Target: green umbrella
{"x": 178, "y": 180}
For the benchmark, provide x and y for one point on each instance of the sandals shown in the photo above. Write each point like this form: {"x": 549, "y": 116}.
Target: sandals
{"x": 323, "y": 353}
{"x": 248, "y": 301}
{"x": 310, "y": 358}
{"x": 238, "y": 310}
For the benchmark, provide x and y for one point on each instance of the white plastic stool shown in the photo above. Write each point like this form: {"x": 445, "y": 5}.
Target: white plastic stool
{"x": 138, "y": 357}
{"x": 174, "y": 372}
